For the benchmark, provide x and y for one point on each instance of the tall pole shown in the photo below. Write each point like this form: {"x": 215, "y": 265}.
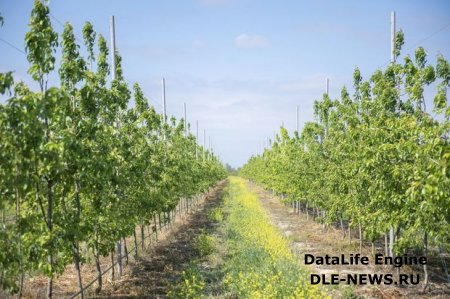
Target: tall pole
{"x": 185, "y": 121}
{"x": 204, "y": 143}
{"x": 391, "y": 229}
{"x": 327, "y": 88}
{"x": 164, "y": 100}
{"x": 196, "y": 140}
{"x": 393, "y": 36}
{"x": 297, "y": 120}
{"x": 113, "y": 77}
{"x": 112, "y": 30}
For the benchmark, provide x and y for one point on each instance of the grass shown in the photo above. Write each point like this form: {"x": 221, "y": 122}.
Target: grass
{"x": 216, "y": 215}
{"x": 260, "y": 263}
{"x": 204, "y": 244}
{"x": 190, "y": 286}
{"x": 244, "y": 256}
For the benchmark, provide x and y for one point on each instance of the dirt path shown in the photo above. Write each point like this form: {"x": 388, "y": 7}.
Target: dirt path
{"x": 154, "y": 272}
{"x": 307, "y": 236}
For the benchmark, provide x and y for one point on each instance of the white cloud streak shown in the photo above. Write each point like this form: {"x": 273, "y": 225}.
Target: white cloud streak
{"x": 251, "y": 41}
{"x": 198, "y": 44}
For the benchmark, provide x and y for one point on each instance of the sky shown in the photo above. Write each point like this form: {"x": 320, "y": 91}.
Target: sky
{"x": 241, "y": 66}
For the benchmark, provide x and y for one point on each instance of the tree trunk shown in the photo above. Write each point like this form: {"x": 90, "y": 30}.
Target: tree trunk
{"x": 2, "y": 273}
{"x": 143, "y": 237}
{"x": 50, "y": 285}
{"x": 349, "y": 234}
{"x": 125, "y": 249}
{"x": 391, "y": 241}
{"x": 323, "y": 219}
{"x": 76, "y": 261}
{"x": 113, "y": 271}
{"x": 167, "y": 222}
{"x": 386, "y": 250}
{"x": 21, "y": 282}
{"x": 307, "y": 211}
{"x": 76, "y": 255}
{"x": 360, "y": 237}
{"x": 99, "y": 270}
{"x": 21, "y": 274}
{"x": 135, "y": 244}
{"x": 119, "y": 258}
{"x": 156, "y": 227}
{"x": 50, "y": 229}
{"x": 425, "y": 269}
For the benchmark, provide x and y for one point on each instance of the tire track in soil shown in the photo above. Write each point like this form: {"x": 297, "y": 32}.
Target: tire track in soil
{"x": 307, "y": 236}
{"x": 161, "y": 266}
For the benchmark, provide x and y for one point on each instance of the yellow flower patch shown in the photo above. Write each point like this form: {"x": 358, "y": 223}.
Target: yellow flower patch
{"x": 261, "y": 264}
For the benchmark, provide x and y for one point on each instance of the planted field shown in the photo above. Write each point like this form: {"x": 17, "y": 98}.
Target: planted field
{"x": 107, "y": 192}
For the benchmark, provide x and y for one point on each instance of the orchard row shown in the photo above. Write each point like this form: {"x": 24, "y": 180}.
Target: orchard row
{"x": 376, "y": 158}
{"x": 79, "y": 166}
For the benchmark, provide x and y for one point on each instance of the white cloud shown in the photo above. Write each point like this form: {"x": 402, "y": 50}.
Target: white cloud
{"x": 251, "y": 41}
{"x": 198, "y": 44}
{"x": 311, "y": 84}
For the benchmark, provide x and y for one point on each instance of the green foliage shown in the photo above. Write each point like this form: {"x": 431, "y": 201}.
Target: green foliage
{"x": 41, "y": 42}
{"x": 78, "y": 165}
{"x": 204, "y": 244}
{"x": 89, "y": 39}
{"x": 216, "y": 215}
{"x": 377, "y": 157}
{"x": 6, "y": 81}
{"x": 190, "y": 286}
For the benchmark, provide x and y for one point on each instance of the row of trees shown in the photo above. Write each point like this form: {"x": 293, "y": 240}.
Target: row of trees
{"x": 376, "y": 158}
{"x": 80, "y": 167}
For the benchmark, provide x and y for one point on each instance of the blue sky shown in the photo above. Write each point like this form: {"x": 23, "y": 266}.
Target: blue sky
{"x": 242, "y": 66}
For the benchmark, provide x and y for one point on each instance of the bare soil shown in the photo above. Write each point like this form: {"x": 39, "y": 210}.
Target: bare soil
{"x": 307, "y": 236}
